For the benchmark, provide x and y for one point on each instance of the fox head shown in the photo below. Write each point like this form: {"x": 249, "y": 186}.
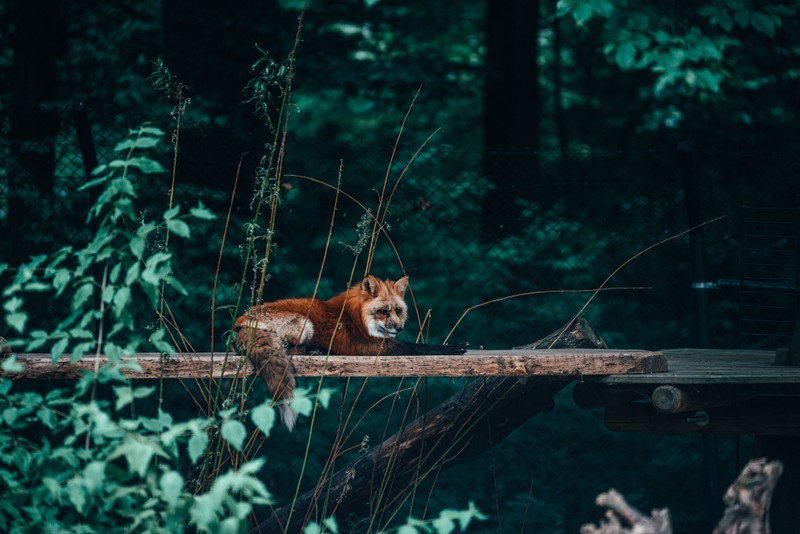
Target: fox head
{"x": 384, "y": 309}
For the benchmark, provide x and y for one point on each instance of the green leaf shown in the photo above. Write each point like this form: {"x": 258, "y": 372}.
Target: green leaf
{"x": 148, "y": 130}
{"x": 107, "y": 294}
{"x": 137, "y": 245}
{"x": 638, "y": 21}
{"x": 139, "y": 142}
{"x": 204, "y": 511}
{"x": 138, "y": 454}
{"x": 324, "y": 396}
{"x": 263, "y": 417}
{"x": 625, "y": 56}
{"x": 178, "y": 227}
{"x": 172, "y": 212}
{"x": 53, "y": 487}
{"x": 13, "y": 304}
{"x": 145, "y": 165}
{"x": 82, "y": 295}
{"x": 113, "y": 352}
{"x": 93, "y": 476}
{"x": 201, "y": 212}
{"x": 132, "y": 274}
{"x": 742, "y": 17}
{"x": 10, "y": 415}
{"x": 234, "y": 433}
{"x": 171, "y": 484}
{"x": 301, "y": 402}
{"x": 604, "y": 8}
{"x": 583, "y": 12}
{"x": 95, "y": 181}
{"x": 79, "y": 350}
{"x": 145, "y": 229}
{"x": 197, "y": 445}
{"x": 707, "y": 80}
{"x": 76, "y": 493}
{"x": 17, "y": 321}
{"x": 58, "y": 349}
{"x": 156, "y": 268}
{"x": 124, "y": 396}
{"x": 36, "y": 286}
{"x": 11, "y": 365}
{"x": 159, "y": 424}
{"x": 443, "y": 525}
{"x": 763, "y": 23}
{"x": 229, "y": 525}
{"x": 60, "y": 280}
{"x": 124, "y": 186}
{"x": 331, "y": 524}
{"x": 174, "y": 283}
{"x": 47, "y": 417}
{"x": 121, "y": 299}
{"x": 157, "y": 339}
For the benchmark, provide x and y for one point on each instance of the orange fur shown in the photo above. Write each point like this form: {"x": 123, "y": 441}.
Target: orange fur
{"x": 363, "y": 320}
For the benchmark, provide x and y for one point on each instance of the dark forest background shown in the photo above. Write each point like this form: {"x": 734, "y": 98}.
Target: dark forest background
{"x": 548, "y": 142}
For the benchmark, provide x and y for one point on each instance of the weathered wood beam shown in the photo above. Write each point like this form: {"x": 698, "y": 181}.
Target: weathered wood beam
{"x": 556, "y": 362}
{"x": 761, "y": 416}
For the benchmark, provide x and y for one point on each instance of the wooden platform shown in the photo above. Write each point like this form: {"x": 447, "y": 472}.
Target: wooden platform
{"x": 710, "y": 391}
{"x": 561, "y": 363}
{"x": 717, "y": 367}
{"x": 611, "y": 367}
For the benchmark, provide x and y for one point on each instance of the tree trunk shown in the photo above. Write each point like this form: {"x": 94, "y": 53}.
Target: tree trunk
{"x": 511, "y": 111}
{"x": 39, "y": 40}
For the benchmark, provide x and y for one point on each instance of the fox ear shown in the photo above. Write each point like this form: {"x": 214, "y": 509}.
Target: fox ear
{"x": 370, "y": 285}
{"x": 401, "y": 285}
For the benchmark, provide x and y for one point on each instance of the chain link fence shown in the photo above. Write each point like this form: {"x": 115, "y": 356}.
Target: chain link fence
{"x": 523, "y": 240}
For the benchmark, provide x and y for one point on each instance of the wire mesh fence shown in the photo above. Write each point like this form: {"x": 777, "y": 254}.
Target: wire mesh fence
{"x": 526, "y": 239}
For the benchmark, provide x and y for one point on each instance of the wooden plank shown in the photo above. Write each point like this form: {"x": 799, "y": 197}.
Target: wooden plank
{"x": 715, "y": 366}
{"x": 555, "y": 363}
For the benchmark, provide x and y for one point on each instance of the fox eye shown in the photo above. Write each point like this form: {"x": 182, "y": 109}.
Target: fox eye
{"x": 383, "y": 311}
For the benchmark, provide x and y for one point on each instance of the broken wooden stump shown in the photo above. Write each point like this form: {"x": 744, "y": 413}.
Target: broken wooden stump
{"x": 747, "y": 500}
{"x": 747, "y": 504}
{"x": 622, "y": 518}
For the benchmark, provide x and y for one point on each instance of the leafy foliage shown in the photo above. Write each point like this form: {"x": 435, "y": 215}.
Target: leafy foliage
{"x": 684, "y": 53}
{"x": 71, "y": 458}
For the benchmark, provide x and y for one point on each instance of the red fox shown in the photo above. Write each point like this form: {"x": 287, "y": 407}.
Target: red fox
{"x": 361, "y": 321}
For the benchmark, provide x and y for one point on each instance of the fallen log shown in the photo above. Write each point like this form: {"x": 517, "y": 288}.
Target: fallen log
{"x": 458, "y": 429}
